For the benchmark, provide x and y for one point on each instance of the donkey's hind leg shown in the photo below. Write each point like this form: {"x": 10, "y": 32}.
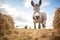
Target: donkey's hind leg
{"x": 39, "y": 26}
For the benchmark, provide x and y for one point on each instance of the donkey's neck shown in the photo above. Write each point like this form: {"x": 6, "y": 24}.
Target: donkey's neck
{"x": 36, "y": 12}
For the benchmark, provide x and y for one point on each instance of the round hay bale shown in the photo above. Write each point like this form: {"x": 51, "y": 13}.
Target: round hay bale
{"x": 9, "y": 31}
{"x": 56, "y": 25}
{"x": 6, "y": 22}
{"x": 56, "y": 22}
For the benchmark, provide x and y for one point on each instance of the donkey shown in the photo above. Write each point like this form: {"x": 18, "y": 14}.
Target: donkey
{"x": 38, "y": 17}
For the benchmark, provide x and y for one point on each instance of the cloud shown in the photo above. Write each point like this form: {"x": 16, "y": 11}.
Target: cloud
{"x": 8, "y": 10}
{"x": 3, "y": 9}
{"x": 21, "y": 19}
{"x": 46, "y": 2}
{"x": 27, "y": 3}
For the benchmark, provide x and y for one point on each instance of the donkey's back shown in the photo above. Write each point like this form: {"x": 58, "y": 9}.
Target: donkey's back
{"x": 43, "y": 16}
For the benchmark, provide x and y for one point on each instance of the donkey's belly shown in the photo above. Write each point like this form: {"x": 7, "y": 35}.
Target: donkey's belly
{"x": 37, "y": 21}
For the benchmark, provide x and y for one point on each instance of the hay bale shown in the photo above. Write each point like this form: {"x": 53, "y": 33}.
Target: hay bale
{"x": 6, "y": 22}
{"x": 56, "y": 22}
{"x": 9, "y": 31}
{"x": 56, "y": 25}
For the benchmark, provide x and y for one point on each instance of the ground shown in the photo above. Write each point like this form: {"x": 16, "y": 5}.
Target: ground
{"x": 35, "y": 34}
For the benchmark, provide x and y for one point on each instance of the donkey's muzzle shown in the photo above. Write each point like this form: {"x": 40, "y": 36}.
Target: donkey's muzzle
{"x": 37, "y": 17}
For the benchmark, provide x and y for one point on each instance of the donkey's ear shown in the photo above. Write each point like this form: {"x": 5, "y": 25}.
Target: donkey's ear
{"x": 40, "y": 2}
{"x": 32, "y": 3}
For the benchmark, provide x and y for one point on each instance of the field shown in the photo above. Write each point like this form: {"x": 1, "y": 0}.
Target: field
{"x": 35, "y": 34}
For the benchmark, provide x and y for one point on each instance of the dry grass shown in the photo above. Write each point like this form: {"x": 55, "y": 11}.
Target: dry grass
{"x": 37, "y": 34}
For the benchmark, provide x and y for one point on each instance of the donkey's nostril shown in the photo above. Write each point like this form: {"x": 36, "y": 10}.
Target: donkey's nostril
{"x": 37, "y": 17}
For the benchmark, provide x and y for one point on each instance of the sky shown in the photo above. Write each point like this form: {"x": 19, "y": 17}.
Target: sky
{"x": 22, "y": 11}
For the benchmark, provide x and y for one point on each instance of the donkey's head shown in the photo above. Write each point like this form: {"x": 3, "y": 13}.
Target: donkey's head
{"x": 36, "y": 6}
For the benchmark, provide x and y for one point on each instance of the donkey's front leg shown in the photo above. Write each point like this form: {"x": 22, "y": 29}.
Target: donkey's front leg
{"x": 43, "y": 25}
{"x": 34, "y": 25}
{"x": 39, "y": 26}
